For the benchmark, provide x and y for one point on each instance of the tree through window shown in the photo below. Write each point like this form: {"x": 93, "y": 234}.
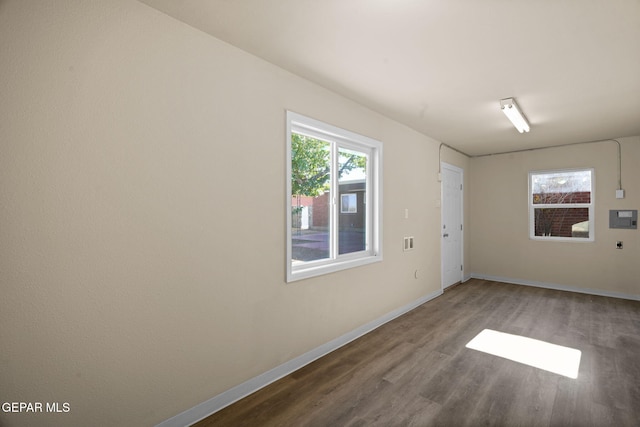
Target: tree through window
{"x": 561, "y": 205}
{"x": 334, "y": 195}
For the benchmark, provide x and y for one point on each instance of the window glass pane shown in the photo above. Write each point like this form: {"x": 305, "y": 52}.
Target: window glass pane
{"x": 349, "y": 203}
{"x": 333, "y": 198}
{"x": 310, "y": 207}
{"x": 352, "y": 183}
{"x": 562, "y": 222}
{"x": 561, "y": 187}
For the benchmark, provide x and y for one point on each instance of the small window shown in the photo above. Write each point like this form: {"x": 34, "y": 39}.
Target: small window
{"x": 561, "y": 205}
{"x": 349, "y": 203}
{"x": 334, "y": 198}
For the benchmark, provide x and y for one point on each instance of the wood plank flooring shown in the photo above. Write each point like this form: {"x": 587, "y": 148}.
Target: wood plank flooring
{"x": 416, "y": 371}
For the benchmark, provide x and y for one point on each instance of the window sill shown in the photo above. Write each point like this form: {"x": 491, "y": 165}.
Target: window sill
{"x": 562, "y": 239}
{"x": 305, "y": 272}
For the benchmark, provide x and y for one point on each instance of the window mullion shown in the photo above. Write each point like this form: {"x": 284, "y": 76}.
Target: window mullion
{"x": 334, "y": 194}
{"x": 368, "y": 203}
{"x": 560, "y": 205}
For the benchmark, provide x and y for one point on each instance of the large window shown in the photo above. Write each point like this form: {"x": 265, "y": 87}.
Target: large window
{"x": 561, "y": 205}
{"x": 334, "y": 198}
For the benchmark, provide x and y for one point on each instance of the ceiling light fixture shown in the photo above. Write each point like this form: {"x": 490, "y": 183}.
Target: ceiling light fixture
{"x": 511, "y": 110}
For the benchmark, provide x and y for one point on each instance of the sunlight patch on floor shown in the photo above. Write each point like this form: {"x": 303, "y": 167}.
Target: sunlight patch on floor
{"x": 539, "y": 354}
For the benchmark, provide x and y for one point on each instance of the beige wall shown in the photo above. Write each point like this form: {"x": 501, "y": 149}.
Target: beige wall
{"x": 134, "y": 154}
{"x": 499, "y": 220}
{"x": 136, "y": 279}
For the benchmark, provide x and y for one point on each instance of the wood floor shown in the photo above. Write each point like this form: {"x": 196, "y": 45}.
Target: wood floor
{"x": 416, "y": 371}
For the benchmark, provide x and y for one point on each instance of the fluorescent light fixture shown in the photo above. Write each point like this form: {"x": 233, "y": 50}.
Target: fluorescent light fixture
{"x": 539, "y": 354}
{"x": 511, "y": 110}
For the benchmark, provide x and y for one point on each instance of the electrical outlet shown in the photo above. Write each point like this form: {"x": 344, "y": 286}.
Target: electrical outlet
{"x": 408, "y": 243}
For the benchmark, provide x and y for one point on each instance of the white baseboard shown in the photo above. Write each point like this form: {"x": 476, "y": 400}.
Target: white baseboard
{"x": 555, "y": 286}
{"x": 216, "y": 403}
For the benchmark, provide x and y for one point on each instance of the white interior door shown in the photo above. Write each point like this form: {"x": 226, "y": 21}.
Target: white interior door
{"x": 452, "y": 226}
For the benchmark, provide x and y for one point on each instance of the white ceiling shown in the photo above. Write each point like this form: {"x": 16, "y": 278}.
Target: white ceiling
{"x": 441, "y": 66}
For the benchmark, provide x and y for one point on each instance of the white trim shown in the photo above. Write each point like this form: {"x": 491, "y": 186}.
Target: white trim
{"x": 555, "y": 286}
{"x": 338, "y": 138}
{"x": 590, "y": 206}
{"x": 333, "y": 266}
{"x": 204, "y": 409}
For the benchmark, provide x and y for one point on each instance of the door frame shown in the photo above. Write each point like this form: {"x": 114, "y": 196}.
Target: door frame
{"x": 444, "y": 165}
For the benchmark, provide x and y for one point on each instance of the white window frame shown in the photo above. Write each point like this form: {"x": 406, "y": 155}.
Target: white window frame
{"x": 590, "y": 206}
{"x": 297, "y": 123}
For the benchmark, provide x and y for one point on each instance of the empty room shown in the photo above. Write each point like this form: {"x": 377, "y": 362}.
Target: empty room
{"x": 319, "y": 213}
